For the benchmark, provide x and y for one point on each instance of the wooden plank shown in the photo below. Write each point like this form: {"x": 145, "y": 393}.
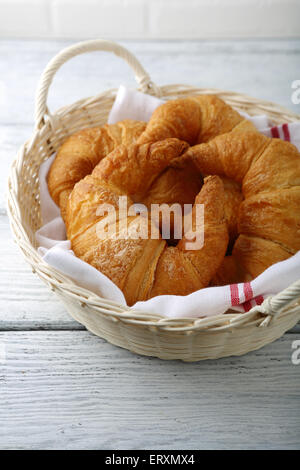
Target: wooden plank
{"x": 264, "y": 68}
{"x": 73, "y": 390}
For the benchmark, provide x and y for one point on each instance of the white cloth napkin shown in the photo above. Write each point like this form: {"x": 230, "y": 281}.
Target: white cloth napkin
{"x": 56, "y": 250}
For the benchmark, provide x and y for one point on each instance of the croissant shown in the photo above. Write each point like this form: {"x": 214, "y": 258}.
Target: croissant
{"x": 81, "y": 152}
{"x": 269, "y": 216}
{"x": 194, "y": 119}
{"x": 143, "y": 266}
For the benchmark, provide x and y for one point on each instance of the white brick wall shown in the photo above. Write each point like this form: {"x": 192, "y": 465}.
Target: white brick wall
{"x": 149, "y": 19}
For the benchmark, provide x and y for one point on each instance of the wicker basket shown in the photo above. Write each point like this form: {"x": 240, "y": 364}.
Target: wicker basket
{"x": 141, "y": 332}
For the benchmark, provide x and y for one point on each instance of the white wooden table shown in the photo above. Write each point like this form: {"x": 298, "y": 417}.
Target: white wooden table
{"x": 62, "y": 387}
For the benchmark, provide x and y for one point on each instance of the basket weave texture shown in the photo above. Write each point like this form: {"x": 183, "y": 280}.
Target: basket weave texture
{"x": 188, "y": 339}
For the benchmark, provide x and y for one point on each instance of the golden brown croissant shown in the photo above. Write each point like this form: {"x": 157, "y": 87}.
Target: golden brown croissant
{"x": 194, "y": 119}
{"x": 269, "y": 217}
{"x": 81, "y": 152}
{"x": 143, "y": 267}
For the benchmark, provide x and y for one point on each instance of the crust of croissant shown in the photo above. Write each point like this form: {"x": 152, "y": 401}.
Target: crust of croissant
{"x": 217, "y": 117}
{"x": 133, "y": 169}
{"x": 193, "y": 119}
{"x": 251, "y": 256}
{"x": 278, "y": 167}
{"x": 258, "y": 162}
{"x": 229, "y": 272}
{"x": 129, "y": 263}
{"x": 230, "y": 154}
{"x": 84, "y": 202}
{"x": 273, "y": 215}
{"x": 181, "y": 271}
{"x": 175, "y": 185}
{"x": 175, "y": 274}
{"x": 255, "y": 254}
{"x": 81, "y": 152}
{"x": 212, "y": 196}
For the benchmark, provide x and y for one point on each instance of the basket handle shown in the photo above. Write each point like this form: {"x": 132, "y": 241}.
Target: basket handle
{"x": 272, "y": 306}
{"x": 141, "y": 76}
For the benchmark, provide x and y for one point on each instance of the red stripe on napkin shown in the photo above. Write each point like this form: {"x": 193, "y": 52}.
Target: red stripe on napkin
{"x": 234, "y": 292}
{"x": 286, "y": 132}
{"x": 275, "y": 132}
{"x": 259, "y": 299}
{"x": 247, "y": 305}
{"x": 248, "y": 292}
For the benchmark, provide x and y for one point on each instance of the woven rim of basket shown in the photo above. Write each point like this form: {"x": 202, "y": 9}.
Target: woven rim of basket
{"x": 66, "y": 287}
